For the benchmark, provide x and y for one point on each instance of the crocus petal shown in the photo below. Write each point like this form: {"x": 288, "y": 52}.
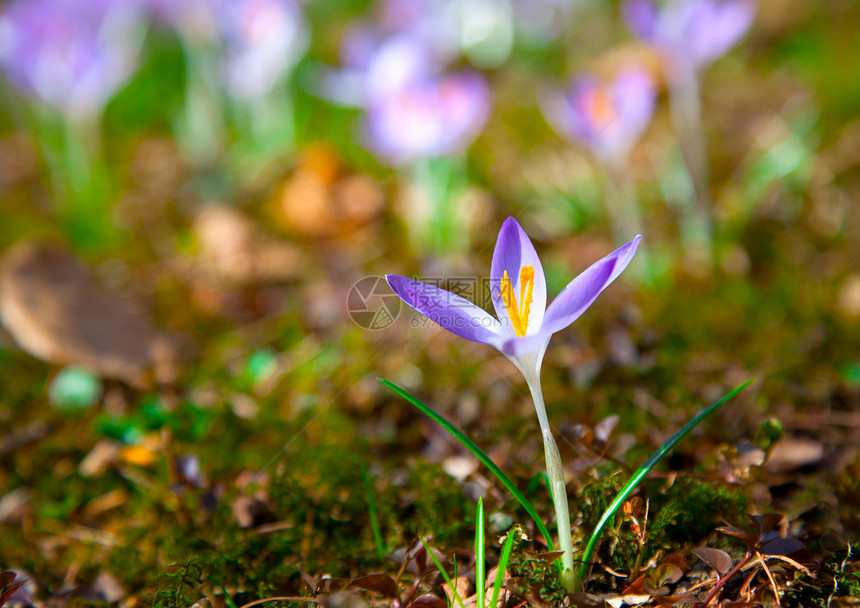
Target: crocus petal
{"x": 448, "y": 310}
{"x": 635, "y": 96}
{"x": 584, "y": 289}
{"x": 692, "y": 31}
{"x": 641, "y": 17}
{"x": 516, "y": 348}
{"x": 514, "y": 250}
{"x": 727, "y": 24}
{"x": 564, "y": 110}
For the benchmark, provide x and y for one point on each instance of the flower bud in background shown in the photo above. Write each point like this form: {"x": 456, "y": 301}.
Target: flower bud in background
{"x": 608, "y": 118}
{"x": 262, "y": 40}
{"x": 694, "y": 31}
{"x": 689, "y": 35}
{"x": 72, "y": 54}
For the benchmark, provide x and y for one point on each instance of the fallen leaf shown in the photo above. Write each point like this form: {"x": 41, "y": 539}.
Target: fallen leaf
{"x": 378, "y": 583}
{"x": 782, "y": 546}
{"x": 428, "y": 600}
{"x": 793, "y": 452}
{"x": 109, "y": 587}
{"x": 627, "y": 600}
{"x": 54, "y": 309}
{"x": 716, "y": 558}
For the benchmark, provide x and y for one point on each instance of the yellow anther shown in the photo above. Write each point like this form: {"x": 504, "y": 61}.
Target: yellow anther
{"x": 519, "y": 315}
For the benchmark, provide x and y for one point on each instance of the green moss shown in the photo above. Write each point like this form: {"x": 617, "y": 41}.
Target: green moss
{"x": 534, "y": 574}
{"x": 440, "y": 509}
{"x": 679, "y": 516}
{"x": 689, "y": 511}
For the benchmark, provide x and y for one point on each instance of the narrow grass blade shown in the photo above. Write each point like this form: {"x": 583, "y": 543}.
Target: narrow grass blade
{"x": 227, "y": 599}
{"x": 640, "y": 474}
{"x": 374, "y": 517}
{"x": 503, "y": 564}
{"x": 447, "y": 578}
{"x": 480, "y": 573}
{"x": 479, "y": 454}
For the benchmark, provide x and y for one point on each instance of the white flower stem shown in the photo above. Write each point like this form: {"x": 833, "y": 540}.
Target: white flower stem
{"x": 555, "y": 473}
{"x": 687, "y": 117}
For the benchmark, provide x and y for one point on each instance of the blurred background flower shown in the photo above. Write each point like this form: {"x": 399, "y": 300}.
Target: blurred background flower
{"x": 690, "y": 31}
{"x": 238, "y": 107}
{"x": 262, "y": 39}
{"x": 606, "y": 118}
{"x": 71, "y": 54}
{"x": 416, "y": 109}
{"x": 428, "y": 117}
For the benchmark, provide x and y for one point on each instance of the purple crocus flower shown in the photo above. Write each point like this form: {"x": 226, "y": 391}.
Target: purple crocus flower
{"x": 395, "y": 70}
{"x": 525, "y": 324}
{"x": 693, "y": 31}
{"x": 522, "y": 332}
{"x": 72, "y": 54}
{"x": 427, "y": 117}
{"x": 607, "y": 117}
{"x": 414, "y": 110}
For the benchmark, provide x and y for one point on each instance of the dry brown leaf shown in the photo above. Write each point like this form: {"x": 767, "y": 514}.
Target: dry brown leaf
{"x": 316, "y": 201}
{"x": 54, "y": 309}
{"x": 378, "y": 583}
{"x": 793, "y": 452}
{"x": 428, "y": 600}
{"x": 716, "y": 558}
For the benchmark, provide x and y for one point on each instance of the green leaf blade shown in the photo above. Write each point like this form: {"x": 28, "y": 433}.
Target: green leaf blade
{"x": 643, "y": 470}
{"x": 479, "y": 454}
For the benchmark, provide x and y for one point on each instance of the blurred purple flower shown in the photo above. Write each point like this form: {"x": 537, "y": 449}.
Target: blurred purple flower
{"x": 428, "y": 117}
{"x": 694, "y": 31}
{"x": 72, "y": 54}
{"x": 262, "y": 40}
{"x": 376, "y": 64}
{"x": 394, "y": 69}
{"x": 414, "y": 110}
{"x": 259, "y": 39}
{"x": 608, "y": 118}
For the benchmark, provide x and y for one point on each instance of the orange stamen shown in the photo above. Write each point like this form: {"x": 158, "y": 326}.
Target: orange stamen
{"x": 601, "y": 109}
{"x": 519, "y": 315}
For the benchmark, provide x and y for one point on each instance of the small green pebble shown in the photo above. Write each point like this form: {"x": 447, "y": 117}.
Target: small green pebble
{"x": 260, "y": 365}
{"x": 74, "y": 389}
{"x": 500, "y": 522}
